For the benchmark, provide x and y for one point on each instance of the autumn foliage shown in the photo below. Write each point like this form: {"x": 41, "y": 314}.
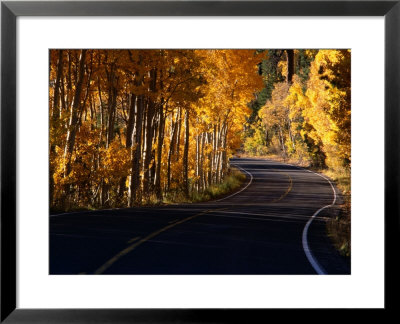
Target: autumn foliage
{"x": 305, "y": 114}
{"x": 132, "y": 126}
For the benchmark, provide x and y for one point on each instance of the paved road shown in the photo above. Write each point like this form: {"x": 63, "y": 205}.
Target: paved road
{"x": 266, "y": 228}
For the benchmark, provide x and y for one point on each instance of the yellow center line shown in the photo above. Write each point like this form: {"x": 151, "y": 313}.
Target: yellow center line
{"x": 133, "y": 239}
{"x": 287, "y": 190}
{"x": 125, "y": 251}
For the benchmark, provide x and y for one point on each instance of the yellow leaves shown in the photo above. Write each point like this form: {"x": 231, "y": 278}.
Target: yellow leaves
{"x": 58, "y": 150}
{"x": 282, "y": 66}
{"x": 329, "y": 108}
{"x": 276, "y": 110}
{"x": 116, "y": 160}
{"x": 214, "y": 86}
{"x": 233, "y": 79}
{"x": 316, "y": 112}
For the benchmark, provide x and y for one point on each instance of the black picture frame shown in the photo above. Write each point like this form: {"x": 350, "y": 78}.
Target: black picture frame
{"x": 10, "y": 10}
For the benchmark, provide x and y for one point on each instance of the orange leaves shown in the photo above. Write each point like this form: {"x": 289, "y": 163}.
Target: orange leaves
{"x": 115, "y": 162}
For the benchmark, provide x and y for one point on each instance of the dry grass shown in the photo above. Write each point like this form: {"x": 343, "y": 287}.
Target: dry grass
{"x": 232, "y": 182}
{"x": 339, "y": 230}
{"x": 339, "y": 227}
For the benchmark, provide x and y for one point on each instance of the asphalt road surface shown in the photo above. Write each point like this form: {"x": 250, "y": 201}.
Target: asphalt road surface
{"x": 275, "y": 224}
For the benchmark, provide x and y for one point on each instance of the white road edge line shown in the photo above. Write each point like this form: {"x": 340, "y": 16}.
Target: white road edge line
{"x": 251, "y": 180}
{"x": 314, "y": 263}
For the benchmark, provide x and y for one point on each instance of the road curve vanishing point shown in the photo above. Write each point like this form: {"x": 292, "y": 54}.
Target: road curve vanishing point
{"x": 275, "y": 224}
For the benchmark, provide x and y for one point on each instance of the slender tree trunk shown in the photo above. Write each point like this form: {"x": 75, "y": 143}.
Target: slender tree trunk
{"x": 129, "y": 139}
{"x": 282, "y": 141}
{"x": 55, "y": 115}
{"x": 69, "y": 80}
{"x": 112, "y": 101}
{"x": 136, "y": 195}
{"x": 291, "y": 134}
{"x": 63, "y": 97}
{"x": 160, "y": 140}
{"x": 171, "y": 147}
{"x": 217, "y": 155}
{"x": 214, "y": 153}
{"x": 210, "y": 158}
{"x": 224, "y": 160}
{"x": 157, "y": 182}
{"x": 75, "y": 109}
{"x": 202, "y": 173}
{"x": 186, "y": 156}
{"x": 131, "y": 121}
{"x": 197, "y": 162}
{"x": 149, "y": 134}
{"x": 57, "y": 88}
{"x": 178, "y": 137}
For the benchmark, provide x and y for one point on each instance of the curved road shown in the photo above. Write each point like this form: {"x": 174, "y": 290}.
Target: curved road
{"x": 266, "y": 228}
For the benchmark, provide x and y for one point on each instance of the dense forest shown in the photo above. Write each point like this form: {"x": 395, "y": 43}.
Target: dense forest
{"x": 130, "y": 127}
{"x": 303, "y": 112}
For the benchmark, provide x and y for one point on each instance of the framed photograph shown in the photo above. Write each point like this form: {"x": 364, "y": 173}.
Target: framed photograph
{"x": 197, "y": 161}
